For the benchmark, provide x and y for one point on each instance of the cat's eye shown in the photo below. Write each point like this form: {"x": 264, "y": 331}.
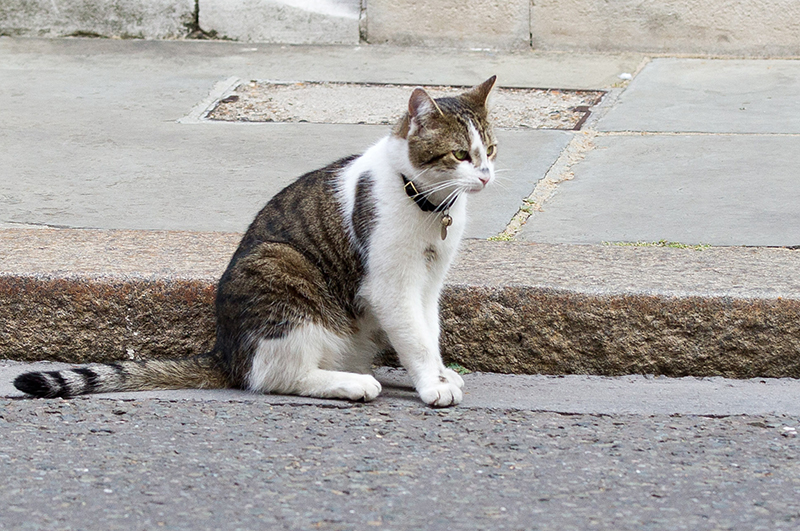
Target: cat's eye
{"x": 490, "y": 150}
{"x": 460, "y": 154}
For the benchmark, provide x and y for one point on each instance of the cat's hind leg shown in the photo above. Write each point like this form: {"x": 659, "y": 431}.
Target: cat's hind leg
{"x": 292, "y": 365}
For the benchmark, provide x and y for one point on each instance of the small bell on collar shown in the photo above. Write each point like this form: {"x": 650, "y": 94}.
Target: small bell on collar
{"x": 446, "y": 222}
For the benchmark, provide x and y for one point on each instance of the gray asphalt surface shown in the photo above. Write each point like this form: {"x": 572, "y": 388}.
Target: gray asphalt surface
{"x": 154, "y": 464}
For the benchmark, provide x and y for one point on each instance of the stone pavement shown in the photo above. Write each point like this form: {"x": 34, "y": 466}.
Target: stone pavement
{"x": 696, "y": 151}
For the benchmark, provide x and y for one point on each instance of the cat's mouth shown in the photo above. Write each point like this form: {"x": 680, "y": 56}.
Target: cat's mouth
{"x": 482, "y": 183}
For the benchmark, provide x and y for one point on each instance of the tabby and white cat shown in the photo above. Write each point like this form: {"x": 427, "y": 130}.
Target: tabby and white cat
{"x": 344, "y": 262}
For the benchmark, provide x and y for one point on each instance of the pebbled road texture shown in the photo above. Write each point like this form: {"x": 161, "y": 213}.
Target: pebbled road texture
{"x": 156, "y": 464}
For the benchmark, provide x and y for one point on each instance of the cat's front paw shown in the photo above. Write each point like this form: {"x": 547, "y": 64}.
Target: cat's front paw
{"x": 443, "y": 391}
{"x": 453, "y": 377}
{"x": 361, "y": 387}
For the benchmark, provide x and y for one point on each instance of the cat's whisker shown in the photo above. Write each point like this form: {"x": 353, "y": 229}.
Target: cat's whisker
{"x": 420, "y": 174}
{"x": 500, "y": 184}
{"x": 433, "y": 220}
{"x": 439, "y": 187}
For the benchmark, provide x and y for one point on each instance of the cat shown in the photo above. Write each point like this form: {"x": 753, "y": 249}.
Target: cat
{"x": 343, "y": 263}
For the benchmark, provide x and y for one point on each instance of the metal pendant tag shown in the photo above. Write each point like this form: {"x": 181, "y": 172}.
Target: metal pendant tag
{"x": 446, "y": 222}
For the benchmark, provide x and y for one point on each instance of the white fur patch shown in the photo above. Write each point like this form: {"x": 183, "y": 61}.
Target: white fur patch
{"x": 313, "y": 361}
{"x": 280, "y": 364}
{"x": 478, "y": 147}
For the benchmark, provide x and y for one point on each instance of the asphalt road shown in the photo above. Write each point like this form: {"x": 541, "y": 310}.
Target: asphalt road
{"x": 196, "y": 464}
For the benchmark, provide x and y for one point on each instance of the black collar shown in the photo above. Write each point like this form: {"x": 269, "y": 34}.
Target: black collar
{"x": 422, "y": 201}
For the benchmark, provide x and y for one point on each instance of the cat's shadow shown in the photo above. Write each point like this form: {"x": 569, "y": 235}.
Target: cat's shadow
{"x": 396, "y": 383}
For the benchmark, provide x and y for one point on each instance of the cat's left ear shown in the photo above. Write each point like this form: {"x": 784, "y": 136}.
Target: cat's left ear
{"x": 421, "y": 103}
{"x": 480, "y": 93}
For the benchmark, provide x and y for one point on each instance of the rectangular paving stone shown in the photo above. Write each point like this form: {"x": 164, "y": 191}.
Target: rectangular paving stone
{"x": 138, "y": 179}
{"x": 718, "y": 190}
{"x": 708, "y": 95}
{"x": 523, "y": 157}
{"x": 130, "y": 19}
{"x": 754, "y": 28}
{"x": 91, "y": 138}
{"x": 330, "y": 22}
{"x": 503, "y": 24}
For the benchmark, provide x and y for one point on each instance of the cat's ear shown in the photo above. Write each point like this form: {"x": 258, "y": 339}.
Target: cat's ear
{"x": 480, "y": 93}
{"x": 421, "y": 104}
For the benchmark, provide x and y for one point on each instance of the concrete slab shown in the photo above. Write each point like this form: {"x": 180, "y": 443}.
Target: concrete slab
{"x": 523, "y": 157}
{"x": 498, "y": 24}
{"x": 717, "y": 190}
{"x": 625, "y": 395}
{"x": 215, "y": 176}
{"x": 282, "y": 21}
{"x": 162, "y": 175}
{"x": 706, "y": 95}
{"x": 113, "y": 156}
{"x": 758, "y": 28}
{"x": 132, "y": 19}
{"x": 212, "y": 60}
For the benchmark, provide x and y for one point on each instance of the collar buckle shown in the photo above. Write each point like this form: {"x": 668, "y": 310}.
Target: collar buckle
{"x": 422, "y": 202}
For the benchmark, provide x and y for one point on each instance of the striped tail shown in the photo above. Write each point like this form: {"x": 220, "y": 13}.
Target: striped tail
{"x": 199, "y": 372}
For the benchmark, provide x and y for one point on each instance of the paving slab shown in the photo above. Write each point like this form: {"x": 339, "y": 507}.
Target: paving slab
{"x": 713, "y": 96}
{"x": 694, "y": 189}
{"x": 114, "y": 155}
{"x": 214, "y": 177}
{"x": 132, "y": 19}
{"x": 569, "y": 395}
{"x": 287, "y": 22}
{"x": 357, "y": 64}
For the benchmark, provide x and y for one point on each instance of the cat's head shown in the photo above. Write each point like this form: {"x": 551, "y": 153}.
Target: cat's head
{"x": 451, "y": 146}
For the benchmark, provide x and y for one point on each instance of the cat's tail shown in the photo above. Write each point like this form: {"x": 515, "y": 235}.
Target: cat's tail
{"x": 198, "y": 372}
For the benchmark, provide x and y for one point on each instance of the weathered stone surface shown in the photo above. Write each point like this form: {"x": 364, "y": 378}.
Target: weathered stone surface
{"x": 86, "y": 296}
{"x": 289, "y": 22}
{"x": 652, "y": 187}
{"x": 608, "y": 310}
{"x": 531, "y": 330}
{"x": 143, "y": 19}
{"x": 81, "y": 320}
{"x": 735, "y": 27}
{"x": 739, "y": 27}
{"x": 498, "y": 24}
{"x": 92, "y": 295}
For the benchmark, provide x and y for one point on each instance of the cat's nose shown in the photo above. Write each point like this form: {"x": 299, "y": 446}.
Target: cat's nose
{"x": 485, "y": 176}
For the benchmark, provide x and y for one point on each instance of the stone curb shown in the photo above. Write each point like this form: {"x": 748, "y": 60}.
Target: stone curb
{"x": 99, "y": 295}
{"x": 744, "y": 28}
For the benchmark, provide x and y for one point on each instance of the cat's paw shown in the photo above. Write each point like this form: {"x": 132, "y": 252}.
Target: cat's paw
{"x": 443, "y": 391}
{"x": 453, "y": 377}
{"x": 362, "y": 387}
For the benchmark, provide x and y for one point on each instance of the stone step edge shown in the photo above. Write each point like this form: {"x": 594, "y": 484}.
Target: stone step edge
{"x": 82, "y": 296}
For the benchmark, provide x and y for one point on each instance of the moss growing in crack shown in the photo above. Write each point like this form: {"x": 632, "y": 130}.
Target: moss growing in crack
{"x": 460, "y": 369}
{"x": 662, "y": 243}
